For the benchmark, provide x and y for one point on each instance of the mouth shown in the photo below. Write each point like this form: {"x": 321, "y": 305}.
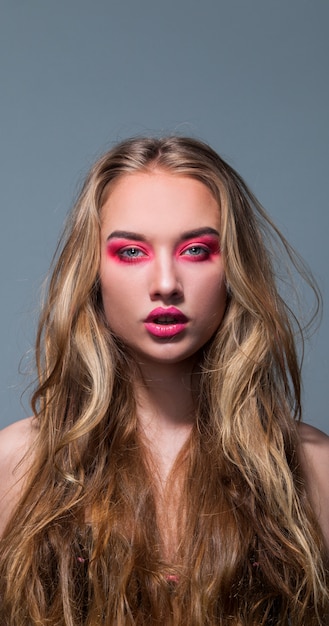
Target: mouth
{"x": 166, "y": 317}
{"x": 166, "y": 323}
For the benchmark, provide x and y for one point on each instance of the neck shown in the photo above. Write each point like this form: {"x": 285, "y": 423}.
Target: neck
{"x": 165, "y": 410}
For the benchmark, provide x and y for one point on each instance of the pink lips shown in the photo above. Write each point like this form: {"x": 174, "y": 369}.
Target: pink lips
{"x": 165, "y": 322}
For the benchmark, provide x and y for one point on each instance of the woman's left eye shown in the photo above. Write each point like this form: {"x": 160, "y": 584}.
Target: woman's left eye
{"x": 196, "y": 252}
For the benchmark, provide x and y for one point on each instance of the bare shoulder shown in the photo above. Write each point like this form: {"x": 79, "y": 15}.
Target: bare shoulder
{"x": 18, "y": 433}
{"x": 16, "y": 441}
{"x": 311, "y": 434}
{"x": 314, "y": 446}
{"x": 314, "y": 459}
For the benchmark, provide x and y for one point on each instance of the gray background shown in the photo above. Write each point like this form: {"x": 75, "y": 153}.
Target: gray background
{"x": 248, "y": 76}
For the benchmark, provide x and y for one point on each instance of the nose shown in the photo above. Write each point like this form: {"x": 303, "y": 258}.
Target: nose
{"x": 165, "y": 282}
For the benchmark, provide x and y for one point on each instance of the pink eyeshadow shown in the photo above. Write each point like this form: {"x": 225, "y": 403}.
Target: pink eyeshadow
{"x": 211, "y": 241}
{"x": 114, "y": 246}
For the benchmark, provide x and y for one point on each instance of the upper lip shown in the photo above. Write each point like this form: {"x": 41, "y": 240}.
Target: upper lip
{"x": 165, "y": 315}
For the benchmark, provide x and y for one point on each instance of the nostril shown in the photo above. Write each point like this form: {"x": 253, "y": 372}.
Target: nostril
{"x": 166, "y": 285}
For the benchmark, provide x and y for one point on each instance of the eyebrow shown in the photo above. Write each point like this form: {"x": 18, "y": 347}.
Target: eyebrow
{"x": 125, "y": 234}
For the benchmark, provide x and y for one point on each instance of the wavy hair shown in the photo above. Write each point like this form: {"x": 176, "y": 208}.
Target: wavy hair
{"x": 85, "y": 546}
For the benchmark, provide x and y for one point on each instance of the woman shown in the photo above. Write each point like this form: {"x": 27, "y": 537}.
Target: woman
{"x": 165, "y": 477}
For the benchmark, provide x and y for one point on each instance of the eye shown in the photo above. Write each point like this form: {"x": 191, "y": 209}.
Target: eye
{"x": 196, "y": 252}
{"x": 131, "y": 254}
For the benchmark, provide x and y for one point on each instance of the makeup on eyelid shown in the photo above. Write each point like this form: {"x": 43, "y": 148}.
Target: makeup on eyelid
{"x": 116, "y": 247}
{"x": 208, "y": 246}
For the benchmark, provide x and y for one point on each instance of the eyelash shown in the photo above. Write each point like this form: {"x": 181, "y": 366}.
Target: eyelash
{"x": 204, "y": 252}
{"x": 123, "y": 254}
{"x": 192, "y": 252}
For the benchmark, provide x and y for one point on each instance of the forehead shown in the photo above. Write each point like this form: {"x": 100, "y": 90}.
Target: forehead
{"x": 157, "y": 200}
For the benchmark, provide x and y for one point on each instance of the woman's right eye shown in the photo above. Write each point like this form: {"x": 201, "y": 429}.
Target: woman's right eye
{"x": 131, "y": 253}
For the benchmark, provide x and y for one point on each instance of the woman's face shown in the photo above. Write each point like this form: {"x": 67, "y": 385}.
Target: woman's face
{"x": 161, "y": 272}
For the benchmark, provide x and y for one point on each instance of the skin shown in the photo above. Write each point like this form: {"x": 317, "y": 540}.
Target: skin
{"x": 314, "y": 458}
{"x": 160, "y": 264}
{"x": 16, "y": 441}
{"x": 162, "y": 267}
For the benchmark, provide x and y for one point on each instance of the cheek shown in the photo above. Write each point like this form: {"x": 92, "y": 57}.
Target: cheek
{"x": 213, "y": 300}
{"x": 211, "y": 285}
{"x": 119, "y": 292}
{"x": 109, "y": 289}
{"x": 114, "y": 306}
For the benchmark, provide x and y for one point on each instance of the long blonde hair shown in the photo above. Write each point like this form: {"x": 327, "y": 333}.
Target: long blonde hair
{"x": 84, "y": 546}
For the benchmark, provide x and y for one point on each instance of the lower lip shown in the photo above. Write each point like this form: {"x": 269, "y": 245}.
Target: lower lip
{"x": 165, "y": 330}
